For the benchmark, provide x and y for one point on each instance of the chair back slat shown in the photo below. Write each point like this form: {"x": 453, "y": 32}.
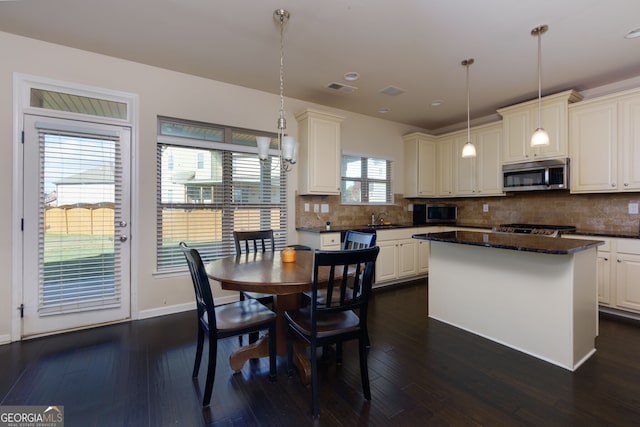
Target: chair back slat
{"x": 201, "y": 286}
{"x": 262, "y": 238}
{"x": 358, "y": 240}
{"x": 356, "y": 264}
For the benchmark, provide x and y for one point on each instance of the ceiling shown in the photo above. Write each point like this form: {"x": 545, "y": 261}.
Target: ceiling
{"x": 414, "y": 45}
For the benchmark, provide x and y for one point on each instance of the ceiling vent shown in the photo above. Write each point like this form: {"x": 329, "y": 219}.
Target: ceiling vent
{"x": 342, "y": 88}
{"x": 392, "y": 91}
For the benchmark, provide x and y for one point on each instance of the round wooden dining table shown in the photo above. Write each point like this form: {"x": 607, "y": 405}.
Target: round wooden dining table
{"x": 266, "y": 273}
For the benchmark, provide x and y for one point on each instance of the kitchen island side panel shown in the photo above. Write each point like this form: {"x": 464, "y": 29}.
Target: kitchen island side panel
{"x": 524, "y": 300}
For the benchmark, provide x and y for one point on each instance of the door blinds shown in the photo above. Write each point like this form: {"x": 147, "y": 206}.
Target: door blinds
{"x": 80, "y": 195}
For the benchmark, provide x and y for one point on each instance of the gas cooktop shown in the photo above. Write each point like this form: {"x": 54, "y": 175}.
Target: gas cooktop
{"x": 543, "y": 229}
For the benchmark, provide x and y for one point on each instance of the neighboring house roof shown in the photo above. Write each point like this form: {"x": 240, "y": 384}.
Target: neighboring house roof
{"x": 98, "y": 175}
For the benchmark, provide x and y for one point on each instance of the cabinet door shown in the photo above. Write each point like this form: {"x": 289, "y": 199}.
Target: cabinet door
{"x": 629, "y": 161}
{"x": 419, "y": 166}
{"x": 386, "y": 265}
{"x": 407, "y": 257}
{"x": 628, "y": 285}
{"x": 489, "y": 161}
{"x": 423, "y": 256}
{"x": 604, "y": 277}
{"x": 594, "y": 147}
{"x": 516, "y": 128}
{"x": 465, "y": 168}
{"x": 554, "y": 121}
{"x": 444, "y": 167}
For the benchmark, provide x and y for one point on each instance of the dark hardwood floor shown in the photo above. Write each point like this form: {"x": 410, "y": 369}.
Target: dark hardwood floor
{"x": 423, "y": 372}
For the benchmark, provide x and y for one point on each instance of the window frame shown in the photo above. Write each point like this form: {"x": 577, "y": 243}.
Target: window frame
{"x": 169, "y": 259}
{"x": 365, "y": 182}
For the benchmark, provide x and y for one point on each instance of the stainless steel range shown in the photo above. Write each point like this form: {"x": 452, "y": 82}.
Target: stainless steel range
{"x": 539, "y": 229}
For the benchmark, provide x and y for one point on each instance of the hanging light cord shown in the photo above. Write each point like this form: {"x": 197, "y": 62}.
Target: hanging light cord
{"x": 282, "y": 123}
{"x": 539, "y": 78}
{"x": 468, "y": 104}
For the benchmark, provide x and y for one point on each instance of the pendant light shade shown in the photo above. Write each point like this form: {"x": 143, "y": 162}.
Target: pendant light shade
{"x": 468, "y": 150}
{"x": 540, "y": 137}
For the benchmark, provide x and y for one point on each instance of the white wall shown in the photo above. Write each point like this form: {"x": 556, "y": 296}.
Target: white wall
{"x": 167, "y": 93}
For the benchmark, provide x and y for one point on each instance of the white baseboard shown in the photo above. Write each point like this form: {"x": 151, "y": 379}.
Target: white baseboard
{"x": 179, "y": 308}
{"x": 5, "y": 339}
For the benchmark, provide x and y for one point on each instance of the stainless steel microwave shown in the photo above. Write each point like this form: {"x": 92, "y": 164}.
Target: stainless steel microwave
{"x": 539, "y": 175}
{"x": 434, "y": 214}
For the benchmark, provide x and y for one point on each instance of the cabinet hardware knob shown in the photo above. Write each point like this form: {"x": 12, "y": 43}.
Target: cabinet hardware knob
{"x": 626, "y": 184}
{"x": 619, "y": 260}
{"x": 606, "y": 259}
{"x": 613, "y": 184}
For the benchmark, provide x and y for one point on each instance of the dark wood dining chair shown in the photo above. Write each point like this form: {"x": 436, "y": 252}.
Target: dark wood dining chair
{"x": 224, "y": 321}
{"x": 352, "y": 240}
{"x": 254, "y": 241}
{"x": 335, "y": 321}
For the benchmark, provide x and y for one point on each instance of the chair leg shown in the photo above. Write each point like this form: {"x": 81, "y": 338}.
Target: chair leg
{"x": 272, "y": 352}
{"x": 240, "y": 336}
{"x": 339, "y": 353}
{"x": 211, "y": 372}
{"x": 253, "y": 337}
{"x": 289, "y": 351}
{"x": 199, "y": 347}
{"x": 364, "y": 369}
{"x": 315, "y": 406}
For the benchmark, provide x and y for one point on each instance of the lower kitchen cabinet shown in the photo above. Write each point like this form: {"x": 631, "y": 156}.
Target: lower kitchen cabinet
{"x": 323, "y": 241}
{"x": 628, "y": 274}
{"x": 399, "y": 254}
{"x": 618, "y": 273}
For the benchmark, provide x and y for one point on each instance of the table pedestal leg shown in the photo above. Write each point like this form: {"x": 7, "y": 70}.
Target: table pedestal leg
{"x": 260, "y": 348}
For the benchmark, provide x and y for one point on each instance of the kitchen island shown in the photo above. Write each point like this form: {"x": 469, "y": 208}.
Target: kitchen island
{"x": 535, "y": 294}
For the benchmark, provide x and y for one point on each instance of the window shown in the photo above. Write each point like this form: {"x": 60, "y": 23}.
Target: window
{"x": 366, "y": 180}
{"x": 210, "y": 183}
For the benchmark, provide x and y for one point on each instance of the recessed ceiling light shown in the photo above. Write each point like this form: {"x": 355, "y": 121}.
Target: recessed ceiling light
{"x": 437, "y": 102}
{"x": 384, "y": 110}
{"x": 633, "y": 34}
{"x": 351, "y": 76}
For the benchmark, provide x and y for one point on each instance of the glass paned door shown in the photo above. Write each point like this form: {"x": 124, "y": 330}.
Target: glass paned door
{"x": 76, "y": 214}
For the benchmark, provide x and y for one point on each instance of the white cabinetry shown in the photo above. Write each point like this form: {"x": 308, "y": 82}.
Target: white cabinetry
{"x": 628, "y": 274}
{"x": 480, "y": 175}
{"x": 618, "y": 272}
{"x": 419, "y": 165}
{"x": 319, "y": 152}
{"x": 324, "y": 241}
{"x": 401, "y": 256}
{"x": 521, "y": 120}
{"x": 605, "y": 144}
{"x": 444, "y": 167}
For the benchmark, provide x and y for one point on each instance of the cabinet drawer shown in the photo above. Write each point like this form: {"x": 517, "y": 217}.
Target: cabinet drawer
{"x": 628, "y": 246}
{"x": 329, "y": 239}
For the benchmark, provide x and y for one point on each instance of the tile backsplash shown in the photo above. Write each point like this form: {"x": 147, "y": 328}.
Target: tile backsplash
{"x": 588, "y": 212}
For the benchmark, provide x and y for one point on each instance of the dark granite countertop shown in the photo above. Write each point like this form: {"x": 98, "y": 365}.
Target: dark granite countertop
{"x": 516, "y": 242}
{"x": 363, "y": 228}
{"x": 581, "y": 232}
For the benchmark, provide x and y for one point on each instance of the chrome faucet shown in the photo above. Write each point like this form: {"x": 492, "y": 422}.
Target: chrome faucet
{"x": 373, "y": 218}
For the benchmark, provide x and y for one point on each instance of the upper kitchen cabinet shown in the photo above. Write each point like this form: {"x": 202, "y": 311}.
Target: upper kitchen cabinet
{"x": 521, "y": 120}
{"x": 419, "y": 165}
{"x": 319, "y": 152}
{"x": 444, "y": 167}
{"x": 480, "y": 175}
{"x": 605, "y": 144}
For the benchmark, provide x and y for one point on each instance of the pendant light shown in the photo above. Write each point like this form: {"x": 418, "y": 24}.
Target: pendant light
{"x": 540, "y": 137}
{"x": 287, "y": 145}
{"x": 468, "y": 150}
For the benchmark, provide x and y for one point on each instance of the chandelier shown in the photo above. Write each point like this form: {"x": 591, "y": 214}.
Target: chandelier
{"x": 287, "y": 145}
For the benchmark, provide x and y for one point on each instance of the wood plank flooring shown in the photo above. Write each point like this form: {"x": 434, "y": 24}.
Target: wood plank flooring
{"x": 422, "y": 372}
